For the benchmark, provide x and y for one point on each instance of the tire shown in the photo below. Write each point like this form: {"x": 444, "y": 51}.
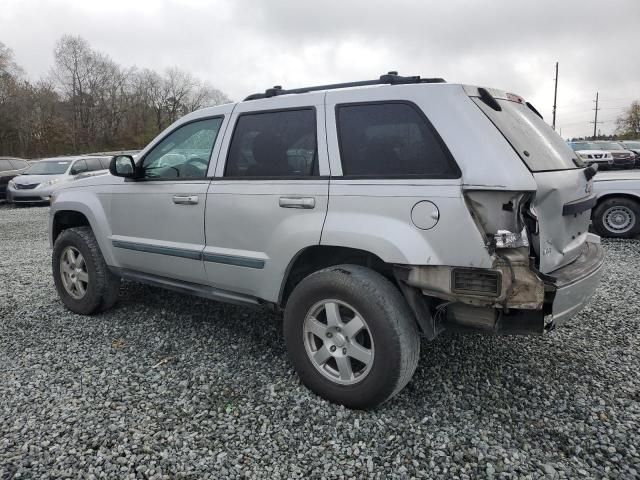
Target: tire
{"x": 389, "y": 334}
{"x": 102, "y": 286}
{"x": 617, "y": 217}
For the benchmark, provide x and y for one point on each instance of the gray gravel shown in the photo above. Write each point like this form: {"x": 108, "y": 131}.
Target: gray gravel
{"x": 167, "y": 386}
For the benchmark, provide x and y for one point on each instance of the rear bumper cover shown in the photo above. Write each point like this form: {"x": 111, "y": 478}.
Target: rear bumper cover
{"x": 576, "y": 282}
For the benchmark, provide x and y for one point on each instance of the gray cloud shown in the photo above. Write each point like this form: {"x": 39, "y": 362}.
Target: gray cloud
{"x": 244, "y": 46}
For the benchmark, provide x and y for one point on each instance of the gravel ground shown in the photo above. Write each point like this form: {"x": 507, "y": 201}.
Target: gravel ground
{"x": 168, "y": 386}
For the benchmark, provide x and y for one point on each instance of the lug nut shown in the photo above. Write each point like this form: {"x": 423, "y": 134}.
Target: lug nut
{"x": 344, "y": 351}
{"x": 333, "y": 348}
{"x": 329, "y": 335}
{"x": 337, "y": 329}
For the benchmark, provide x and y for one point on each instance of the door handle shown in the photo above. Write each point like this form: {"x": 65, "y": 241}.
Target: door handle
{"x": 185, "y": 199}
{"x": 297, "y": 202}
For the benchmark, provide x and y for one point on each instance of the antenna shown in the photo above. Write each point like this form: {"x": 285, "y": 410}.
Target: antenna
{"x": 555, "y": 98}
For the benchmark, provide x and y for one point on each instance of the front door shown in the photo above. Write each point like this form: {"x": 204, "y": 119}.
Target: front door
{"x": 158, "y": 220}
{"x": 269, "y": 198}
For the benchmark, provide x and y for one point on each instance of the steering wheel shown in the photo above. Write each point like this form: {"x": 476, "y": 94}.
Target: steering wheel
{"x": 191, "y": 170}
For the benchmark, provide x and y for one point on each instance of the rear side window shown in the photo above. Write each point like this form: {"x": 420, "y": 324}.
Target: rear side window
{"x": 274, "y": 144}
{"x": 392, "y": 140}
{"x": 538, "y": 145}
{"x": 93, "y": 164}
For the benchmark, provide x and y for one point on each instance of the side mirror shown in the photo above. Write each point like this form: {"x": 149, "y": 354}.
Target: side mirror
{"x": 123, "y": 166}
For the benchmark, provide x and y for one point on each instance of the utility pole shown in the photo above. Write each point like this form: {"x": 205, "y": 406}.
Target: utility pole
{"x": 595, "y": 120}
{"x": 555, "y": 98}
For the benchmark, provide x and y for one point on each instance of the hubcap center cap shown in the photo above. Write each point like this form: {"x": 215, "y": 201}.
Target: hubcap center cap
{"x": 334, "y": 337}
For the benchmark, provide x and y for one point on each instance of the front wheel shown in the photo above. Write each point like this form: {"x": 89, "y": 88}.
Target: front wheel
{"x": 351, "y": 336}
{"x": 617, "y": 218}
{"x": 84, "y": 283}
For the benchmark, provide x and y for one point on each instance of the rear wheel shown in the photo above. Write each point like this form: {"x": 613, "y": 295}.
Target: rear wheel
{"x": 83, "y": 280}
{"x": 351, "y": 336}
{"x": 617, "y": 218}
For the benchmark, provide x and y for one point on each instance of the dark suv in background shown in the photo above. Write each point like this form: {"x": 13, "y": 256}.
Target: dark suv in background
{"x": 9, "y": 168}
{"x": 634, "y": 146}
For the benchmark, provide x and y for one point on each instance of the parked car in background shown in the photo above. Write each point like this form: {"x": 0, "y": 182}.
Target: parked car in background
{"x": 9, "y": 168}
{"x": 590, "y": 154}
{"x": 368, "y": 216}
{"x": 37, "y": 182}
{"x": 617, "y": 213}
{"x": 622, "y": 158}
{"x": 634, "y": 146}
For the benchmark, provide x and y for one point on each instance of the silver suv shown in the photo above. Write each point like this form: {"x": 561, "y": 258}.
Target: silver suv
{"x": 369, "y": 213}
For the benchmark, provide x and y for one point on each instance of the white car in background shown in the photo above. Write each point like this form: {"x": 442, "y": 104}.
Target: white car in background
{"x": 37, "y": 183}
{"x": 589, "y": 153}
{"x": 617, "y": 212}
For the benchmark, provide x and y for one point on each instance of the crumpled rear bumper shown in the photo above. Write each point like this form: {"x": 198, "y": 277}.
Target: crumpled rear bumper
{"x": 577, "y": 281}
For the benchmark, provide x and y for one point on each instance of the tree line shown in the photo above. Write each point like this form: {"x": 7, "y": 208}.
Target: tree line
{"x": 89, "y": 103}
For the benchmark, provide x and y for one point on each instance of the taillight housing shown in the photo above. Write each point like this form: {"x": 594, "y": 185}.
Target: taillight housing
{"x": 498, "y": 216}
{"x": 507, "y": 239}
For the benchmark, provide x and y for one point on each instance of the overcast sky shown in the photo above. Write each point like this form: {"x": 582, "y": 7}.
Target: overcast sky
{"x": 243, "y": 46}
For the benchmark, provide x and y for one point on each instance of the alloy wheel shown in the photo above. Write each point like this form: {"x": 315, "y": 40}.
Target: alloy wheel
{"x": 338, "y": 342}
{"x": 73, "y": 272}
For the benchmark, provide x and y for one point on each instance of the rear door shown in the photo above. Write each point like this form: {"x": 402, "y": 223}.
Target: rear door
{"x": 269, "y": 198}
{"x": 563, "y": 198}
{"x": 94, "y": 166}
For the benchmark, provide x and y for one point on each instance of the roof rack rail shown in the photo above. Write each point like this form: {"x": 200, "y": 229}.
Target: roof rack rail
{"x": 390, "y": 78}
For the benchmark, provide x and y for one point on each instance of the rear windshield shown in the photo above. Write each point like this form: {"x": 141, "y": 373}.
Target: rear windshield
{"x": 48, "y": 168}
{"x": 538, "y": 145}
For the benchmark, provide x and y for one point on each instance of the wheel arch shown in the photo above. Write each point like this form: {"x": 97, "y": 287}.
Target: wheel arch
{"x": 609, "y": 196}
{"x": 65, "y": 219}
{"x": 317, "y": 257}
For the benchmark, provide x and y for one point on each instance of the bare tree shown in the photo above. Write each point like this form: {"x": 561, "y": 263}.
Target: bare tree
{"x": 89, "y": 102}
{"x": 629, "y": 122}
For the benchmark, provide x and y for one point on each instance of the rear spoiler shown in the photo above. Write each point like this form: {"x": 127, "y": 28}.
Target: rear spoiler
{"x": 489, "y": 96}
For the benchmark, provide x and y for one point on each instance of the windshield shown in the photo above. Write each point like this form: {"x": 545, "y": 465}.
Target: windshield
{"x": 48, "y": 168}
{"x": 584, "y": 146}
{"x": 536, "y": 143}
{"x": 609, "y": 146}
{"x": 635, "y": 145}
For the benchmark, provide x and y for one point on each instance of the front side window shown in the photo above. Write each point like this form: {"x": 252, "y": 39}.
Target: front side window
{"x": 390, "y": 139}
{"x": 80, "y": 166}
{"x": 184, "y": 153}
{"x": 274, "y": 144}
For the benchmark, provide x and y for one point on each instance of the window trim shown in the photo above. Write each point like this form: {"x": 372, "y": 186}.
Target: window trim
{"x": 177, "y": 179}
{"x": 274, "y": 177}
{"x": 456, "y": 174}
